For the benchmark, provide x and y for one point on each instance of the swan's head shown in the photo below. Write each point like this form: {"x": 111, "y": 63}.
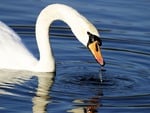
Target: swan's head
{"x": 94, "y": 45}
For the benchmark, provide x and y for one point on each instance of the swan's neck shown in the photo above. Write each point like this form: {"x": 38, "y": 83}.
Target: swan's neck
{"x": 78, "y": 24}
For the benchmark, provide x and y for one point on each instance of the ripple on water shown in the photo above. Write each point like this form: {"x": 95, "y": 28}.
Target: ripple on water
{"x": 126, "y": 79}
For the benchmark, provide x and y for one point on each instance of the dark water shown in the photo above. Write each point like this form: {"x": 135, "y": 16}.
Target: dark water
{"x": 125, "y": 30}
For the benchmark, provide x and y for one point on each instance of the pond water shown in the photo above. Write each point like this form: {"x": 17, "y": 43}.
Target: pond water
{"x": 124, "y": 26}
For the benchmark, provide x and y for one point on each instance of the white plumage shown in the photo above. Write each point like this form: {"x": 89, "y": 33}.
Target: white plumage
{"x": 13, "y": 53}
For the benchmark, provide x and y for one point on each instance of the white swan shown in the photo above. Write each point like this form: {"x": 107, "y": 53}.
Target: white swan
{"x": 14, "y": 55}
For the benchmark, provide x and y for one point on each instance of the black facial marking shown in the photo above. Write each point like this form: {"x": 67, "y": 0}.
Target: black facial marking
{"x": 93, "y": 38}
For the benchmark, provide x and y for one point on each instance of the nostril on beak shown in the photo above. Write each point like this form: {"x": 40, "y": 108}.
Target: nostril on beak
{"x": 96, "y": 46}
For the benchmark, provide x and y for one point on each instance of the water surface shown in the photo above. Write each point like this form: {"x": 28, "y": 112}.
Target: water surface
{"x": 75, "y": 87}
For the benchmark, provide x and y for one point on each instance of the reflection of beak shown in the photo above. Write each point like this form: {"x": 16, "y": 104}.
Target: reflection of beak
{"x": 95, "y": 49}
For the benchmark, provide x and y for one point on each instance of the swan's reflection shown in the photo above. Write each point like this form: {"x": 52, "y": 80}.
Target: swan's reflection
{"x": 41, "y": 98}
{"x": 45, "y": 81}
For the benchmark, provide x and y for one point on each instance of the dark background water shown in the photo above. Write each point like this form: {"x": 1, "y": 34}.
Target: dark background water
{"x": 124, "y": 26}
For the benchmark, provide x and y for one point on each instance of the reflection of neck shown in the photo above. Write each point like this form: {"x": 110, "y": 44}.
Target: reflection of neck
{"x": 91, "y": 105}
{"x": 41, "y": 99}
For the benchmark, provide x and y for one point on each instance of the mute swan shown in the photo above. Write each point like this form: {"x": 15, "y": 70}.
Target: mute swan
{"x": 14, "y": 55}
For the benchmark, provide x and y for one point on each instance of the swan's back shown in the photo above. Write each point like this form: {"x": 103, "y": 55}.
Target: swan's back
{"x": 13, "y": 53}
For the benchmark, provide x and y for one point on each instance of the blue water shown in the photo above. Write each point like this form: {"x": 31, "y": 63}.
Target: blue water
{"x": 124, "y": 27}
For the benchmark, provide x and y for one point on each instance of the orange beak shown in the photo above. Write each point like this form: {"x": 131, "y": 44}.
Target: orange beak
{"x": 96, "y": 51}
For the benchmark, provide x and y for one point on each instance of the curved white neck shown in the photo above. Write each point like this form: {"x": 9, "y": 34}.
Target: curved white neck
{"x": 78, "y": 24}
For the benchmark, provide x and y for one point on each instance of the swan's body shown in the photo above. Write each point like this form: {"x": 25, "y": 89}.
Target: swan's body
{"x": 13, "y": 53}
